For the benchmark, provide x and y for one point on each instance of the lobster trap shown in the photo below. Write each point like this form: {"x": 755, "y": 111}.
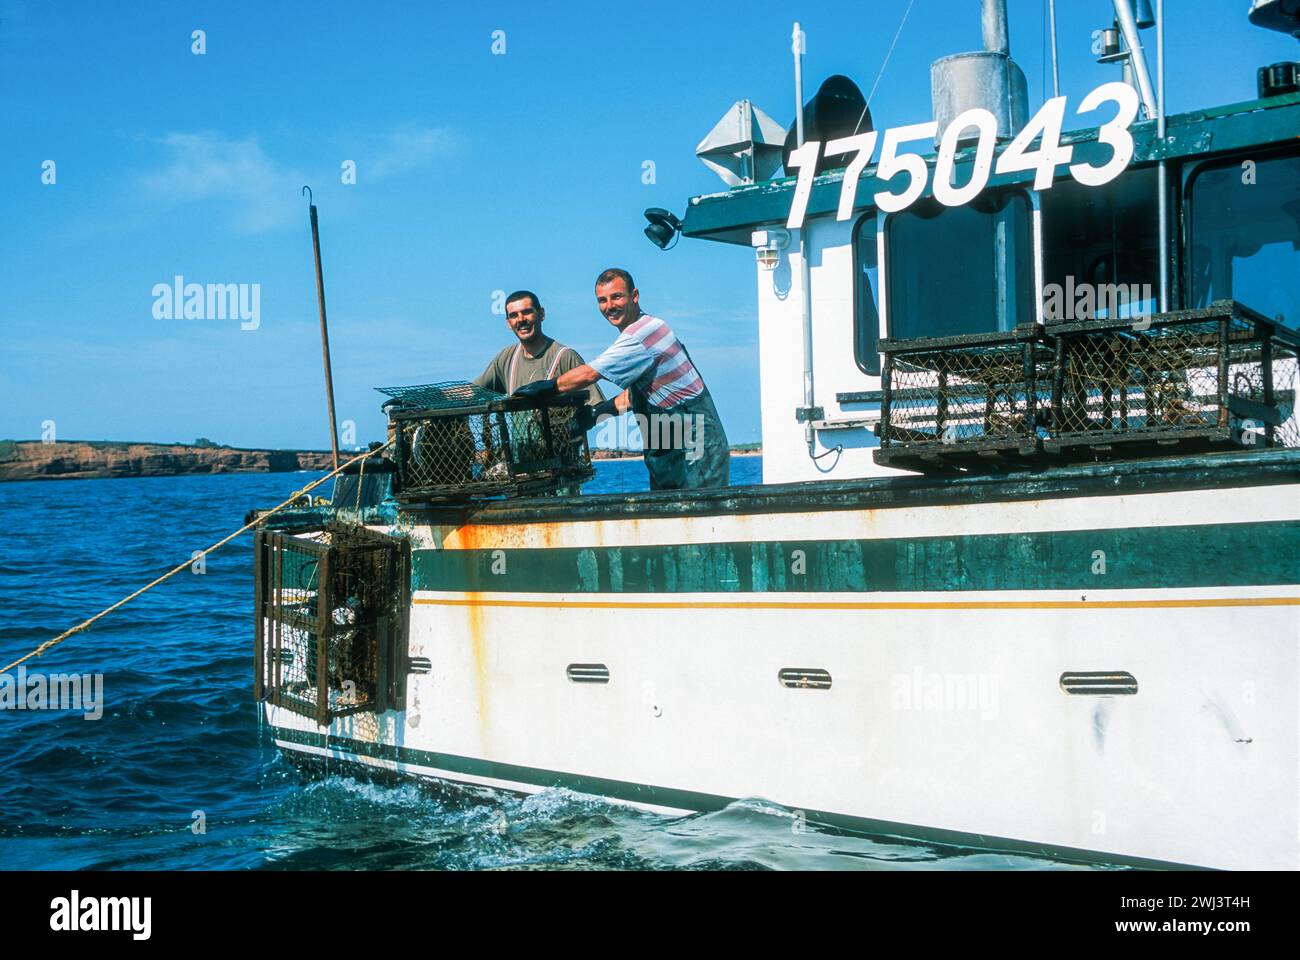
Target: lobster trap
{"x": 456, "y": 441}
{"x": 974, "y": 401}
{"x": 1219, "y": 376}
{"x": 331, "y": 613}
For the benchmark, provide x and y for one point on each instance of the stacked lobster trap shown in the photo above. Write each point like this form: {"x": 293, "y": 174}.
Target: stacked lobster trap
{"x": 964, "y": 401}
{"x": 1218, "y": 376}
{"x": 457, "y": 441}
{"x": 1187, "y": 381}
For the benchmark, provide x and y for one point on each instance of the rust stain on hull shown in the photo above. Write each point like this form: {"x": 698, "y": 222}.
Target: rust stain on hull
{"x": 472, "y": 536}
{"x": 477, "y": 637}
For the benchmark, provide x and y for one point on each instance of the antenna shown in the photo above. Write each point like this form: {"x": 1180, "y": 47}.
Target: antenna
{"x": 1130, "y": 56}
{"x": 1163, "y": 182}
{"x": 1056, "y": 70}
{"x": 797, "y": 46}
{"x": 807, "y": 411}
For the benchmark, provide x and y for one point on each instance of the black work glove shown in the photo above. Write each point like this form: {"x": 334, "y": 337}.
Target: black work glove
{"x": 588, "y": 414}
{"x": 540, "y": 389}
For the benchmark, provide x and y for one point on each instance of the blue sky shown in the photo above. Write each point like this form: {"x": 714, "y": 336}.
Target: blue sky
{"x": 476, "y": 172}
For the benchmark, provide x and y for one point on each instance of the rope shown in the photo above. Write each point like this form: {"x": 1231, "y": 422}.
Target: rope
{"x": 889, "y": 53}
{"x": 177, "y": 569}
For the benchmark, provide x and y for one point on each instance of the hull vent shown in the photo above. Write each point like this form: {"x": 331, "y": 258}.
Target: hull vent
{"x": 1105, "y": 683}
{"x": 587, "y": 672}
{"x": 805, "y": 678}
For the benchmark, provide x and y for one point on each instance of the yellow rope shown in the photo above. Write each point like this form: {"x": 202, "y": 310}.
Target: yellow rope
{"x": 361, "y": 481}
{"x": 177, "y": 569}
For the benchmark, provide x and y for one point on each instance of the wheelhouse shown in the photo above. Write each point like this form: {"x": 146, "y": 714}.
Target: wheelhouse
{"x": 998, "y": 261}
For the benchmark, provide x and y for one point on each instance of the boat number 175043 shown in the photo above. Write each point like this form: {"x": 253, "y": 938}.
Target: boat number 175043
{"x": 1018, "y": 156}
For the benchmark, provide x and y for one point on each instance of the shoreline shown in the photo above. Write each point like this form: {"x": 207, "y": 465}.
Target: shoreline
{"x": 112, "y": 459}
{"x": 596, "y": 455}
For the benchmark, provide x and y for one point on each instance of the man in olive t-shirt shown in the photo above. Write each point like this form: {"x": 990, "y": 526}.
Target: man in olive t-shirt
{"x": 535, "y": 357}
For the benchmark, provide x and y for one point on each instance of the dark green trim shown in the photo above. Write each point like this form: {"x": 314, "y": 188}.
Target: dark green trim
{"x": 598, "y": 786}
{"x": 1208, "y": 555}
{"x": 1154, "y": 475}
{"x": 730, "y": 216}
{"x": 690, "y": 800}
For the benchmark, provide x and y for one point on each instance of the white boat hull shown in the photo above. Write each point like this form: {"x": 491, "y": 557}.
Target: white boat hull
{"x": 946, "y": 718}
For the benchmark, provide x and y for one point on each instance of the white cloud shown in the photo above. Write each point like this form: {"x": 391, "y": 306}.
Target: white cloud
{"x": 260, "y": 194}
{"x": 405, "y": 149}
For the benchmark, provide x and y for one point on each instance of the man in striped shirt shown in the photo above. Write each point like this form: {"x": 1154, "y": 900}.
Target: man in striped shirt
{"x": 685, "y": 445}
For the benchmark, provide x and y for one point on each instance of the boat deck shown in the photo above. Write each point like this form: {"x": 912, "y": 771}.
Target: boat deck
{"x": 1209, "y": 470}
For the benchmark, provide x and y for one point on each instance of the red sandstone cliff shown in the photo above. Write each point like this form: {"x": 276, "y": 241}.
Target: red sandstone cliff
{"x": 34, "y": 460}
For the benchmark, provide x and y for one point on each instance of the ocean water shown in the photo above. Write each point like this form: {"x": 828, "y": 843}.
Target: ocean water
{"x": 179, "y": 744}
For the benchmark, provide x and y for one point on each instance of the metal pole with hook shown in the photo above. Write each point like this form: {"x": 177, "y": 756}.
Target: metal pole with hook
{"x": 324, "y": 330}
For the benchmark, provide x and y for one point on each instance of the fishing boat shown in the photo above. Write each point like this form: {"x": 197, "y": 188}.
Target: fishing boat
{"x": 1023, "y": 573}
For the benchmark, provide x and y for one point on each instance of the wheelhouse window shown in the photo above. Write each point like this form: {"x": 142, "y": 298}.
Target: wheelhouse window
{"x": 959, "y": 270}
{"x": 1244, "y": 239}
{"x": 1099, "y": 248}
{"x": 866, "y": 310}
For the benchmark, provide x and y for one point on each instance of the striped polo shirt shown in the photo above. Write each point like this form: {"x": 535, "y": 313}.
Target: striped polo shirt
{"x": 648, "y": 355}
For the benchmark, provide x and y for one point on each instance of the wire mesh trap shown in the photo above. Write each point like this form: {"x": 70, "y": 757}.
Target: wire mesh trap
{"x": 1219, "y": 376}
{"x": 1186, "y": 381}
{"x": 331, "y": 621}
{"x": 964, "y": 401}
{"x": 457, "y": 441}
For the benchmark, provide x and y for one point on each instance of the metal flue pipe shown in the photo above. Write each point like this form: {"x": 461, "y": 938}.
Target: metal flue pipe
{"x": 324, "y": 329}
{"x": 993, "y": 21}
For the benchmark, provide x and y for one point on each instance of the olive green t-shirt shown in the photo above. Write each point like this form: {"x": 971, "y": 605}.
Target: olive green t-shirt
{"x": 512, "y": 368}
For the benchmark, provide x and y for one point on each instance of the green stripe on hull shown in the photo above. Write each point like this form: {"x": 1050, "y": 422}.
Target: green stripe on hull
{"x": 691, "y": 800}
{"x": 1205, "y": 555}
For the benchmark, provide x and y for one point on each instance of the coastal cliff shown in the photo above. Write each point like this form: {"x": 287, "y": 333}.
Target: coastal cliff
{"x": 79, "y": 459}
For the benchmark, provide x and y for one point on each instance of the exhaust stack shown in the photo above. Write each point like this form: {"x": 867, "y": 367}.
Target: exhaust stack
{"x": 986, "y": 78}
